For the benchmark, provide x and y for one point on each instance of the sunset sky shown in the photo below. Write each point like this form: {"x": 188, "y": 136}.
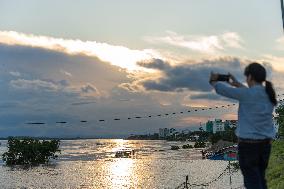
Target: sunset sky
{"x": 104, "y": 59}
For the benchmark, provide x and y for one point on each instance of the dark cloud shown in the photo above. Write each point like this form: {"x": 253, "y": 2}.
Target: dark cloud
{"x": 5, "y": 105}
{"x": 155, "y": 64}
{"x": 38, "y": 63}
{"x": 89, "y": 88}
{"x": 41, "y": 93}
{"x": 83, "y": 103}
{"x": 64, "y": 83}
{"x": 192, "y": 77}
{"x": 34, "y": 89}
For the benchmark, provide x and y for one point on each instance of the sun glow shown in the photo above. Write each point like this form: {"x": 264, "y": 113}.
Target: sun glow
{"x": 116, "y": 55}
{"x": 121, "y": 169}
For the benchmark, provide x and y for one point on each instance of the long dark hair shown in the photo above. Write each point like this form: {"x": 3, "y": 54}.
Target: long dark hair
{"x": 258, "y": 74}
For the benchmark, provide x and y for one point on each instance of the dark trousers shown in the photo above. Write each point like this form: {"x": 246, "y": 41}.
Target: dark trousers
{"x": 253, "y": 160}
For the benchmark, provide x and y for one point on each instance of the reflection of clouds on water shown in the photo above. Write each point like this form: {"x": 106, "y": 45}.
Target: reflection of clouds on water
{"x": 84, "y": 164}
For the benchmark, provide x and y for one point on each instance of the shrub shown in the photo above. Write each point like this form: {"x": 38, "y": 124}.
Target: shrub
{"x": 185, "y": 146}
{"x": 174, "y": 147}
{"x": 30, "y": 151}
{"x": 199, "y": 144}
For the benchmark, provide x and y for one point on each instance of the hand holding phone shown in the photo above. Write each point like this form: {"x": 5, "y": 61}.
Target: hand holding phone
{"x": 222, "y": 77}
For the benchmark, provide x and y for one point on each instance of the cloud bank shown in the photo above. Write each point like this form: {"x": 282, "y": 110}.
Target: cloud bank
{"x": 117, "y": 55}
{"x": 37, "y": 89}
{"x": 187, "y": 76}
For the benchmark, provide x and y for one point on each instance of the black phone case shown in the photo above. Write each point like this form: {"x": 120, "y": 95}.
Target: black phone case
{"x": 223, "y": 77}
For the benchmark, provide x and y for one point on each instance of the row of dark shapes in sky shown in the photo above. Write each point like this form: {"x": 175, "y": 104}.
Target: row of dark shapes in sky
{"x": 150, "y": 116}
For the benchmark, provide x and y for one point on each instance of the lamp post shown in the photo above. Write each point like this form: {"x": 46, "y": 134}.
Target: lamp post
{"x": 282, "y": 10}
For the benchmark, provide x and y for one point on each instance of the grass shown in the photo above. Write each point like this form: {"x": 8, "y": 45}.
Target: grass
{"x": 275, "y": 170}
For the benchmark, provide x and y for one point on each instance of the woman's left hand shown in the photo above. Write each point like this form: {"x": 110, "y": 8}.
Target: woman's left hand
{"x": 213, "y": 78}
{"x": 234, "y": 82}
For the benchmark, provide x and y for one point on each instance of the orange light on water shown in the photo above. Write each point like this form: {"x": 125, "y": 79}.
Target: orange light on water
{"x": 121, "y": 169}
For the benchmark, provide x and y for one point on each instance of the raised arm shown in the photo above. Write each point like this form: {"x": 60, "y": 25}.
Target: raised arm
{"x": 230, "y": 92}
{"x": 234, "y": 82}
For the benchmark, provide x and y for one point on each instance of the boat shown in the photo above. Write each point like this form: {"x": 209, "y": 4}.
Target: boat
{"x": 229, "y": 153}
{"x": 124, "y": 153}
{"x": 99, "y": 144}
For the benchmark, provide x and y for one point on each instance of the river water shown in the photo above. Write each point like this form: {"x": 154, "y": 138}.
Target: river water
{"x": 90, "y": 164}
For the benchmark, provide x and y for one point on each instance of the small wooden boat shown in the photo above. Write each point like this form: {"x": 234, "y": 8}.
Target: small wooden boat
{"x": 124, "y": 153}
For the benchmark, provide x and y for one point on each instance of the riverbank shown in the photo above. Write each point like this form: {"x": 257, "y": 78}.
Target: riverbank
{"x": 275, "y": 171}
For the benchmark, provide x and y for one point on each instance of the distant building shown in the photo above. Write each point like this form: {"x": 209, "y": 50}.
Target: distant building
{"x": 164, "y": 132}
{"x": 209, "y": 126}
{"x": 172, "y": 131}
{"x": 195, "y": 137}
{"x": 186, "y": 131}
{"x": 230, "y": 123}
{"x": 218, "y": 126}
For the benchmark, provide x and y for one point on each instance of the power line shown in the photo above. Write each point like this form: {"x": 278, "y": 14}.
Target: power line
{"x": 156, "y": 115}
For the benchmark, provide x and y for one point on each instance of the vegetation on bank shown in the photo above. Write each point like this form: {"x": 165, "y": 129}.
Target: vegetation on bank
{"x": 280, "y": 120}
{"x": 275, "y": 171}
{"x": 30, "y": 151}
{"x": 199, "y": 144}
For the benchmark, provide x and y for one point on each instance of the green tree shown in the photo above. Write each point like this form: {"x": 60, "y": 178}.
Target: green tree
{"x": 30, "y": 151}
{"x": 199, "y": 144}
{"x": 280, "y": 120}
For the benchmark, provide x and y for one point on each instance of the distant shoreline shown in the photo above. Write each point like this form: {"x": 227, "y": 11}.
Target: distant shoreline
{"x": 74, "y": 138}
{"x": 59, "y": 138}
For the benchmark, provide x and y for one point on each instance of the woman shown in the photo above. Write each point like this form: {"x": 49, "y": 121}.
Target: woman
{"x": 255, "y": 129}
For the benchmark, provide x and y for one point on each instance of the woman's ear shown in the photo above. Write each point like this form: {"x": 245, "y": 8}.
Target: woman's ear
{"x": 249, "y": 78}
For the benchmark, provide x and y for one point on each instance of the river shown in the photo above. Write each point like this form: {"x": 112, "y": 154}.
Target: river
{"x": 90, "y": 164}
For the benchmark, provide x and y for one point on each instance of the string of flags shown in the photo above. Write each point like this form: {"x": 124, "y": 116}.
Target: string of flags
{"x": 151, "y": 116}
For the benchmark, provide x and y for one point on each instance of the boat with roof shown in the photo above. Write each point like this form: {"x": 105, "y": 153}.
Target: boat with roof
{"x": 125, "y": 153}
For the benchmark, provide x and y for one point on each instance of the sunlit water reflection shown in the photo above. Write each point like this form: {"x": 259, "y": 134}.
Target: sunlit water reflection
{"x": 91, "y": 164}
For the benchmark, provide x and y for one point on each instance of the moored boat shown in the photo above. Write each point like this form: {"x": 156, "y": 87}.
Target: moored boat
{"x": 229, "y": 153}
{"x": 124, "y": 153}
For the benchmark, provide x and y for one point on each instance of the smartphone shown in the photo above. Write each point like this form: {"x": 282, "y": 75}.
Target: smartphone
{"x": 222, "y": 77}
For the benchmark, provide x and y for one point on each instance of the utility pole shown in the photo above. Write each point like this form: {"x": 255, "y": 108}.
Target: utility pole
{"x": 282, "y": 11}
